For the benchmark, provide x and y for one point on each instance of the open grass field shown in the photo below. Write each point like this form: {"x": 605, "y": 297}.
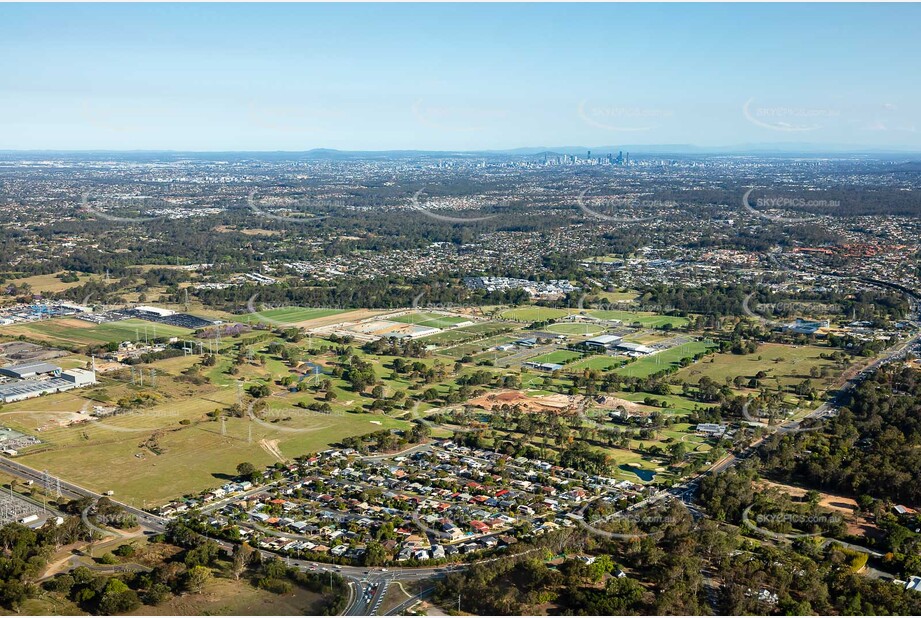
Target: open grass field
{"x": 788, "y": 364}
{"x": 51, "y": 283}
{"x": 654, "y": 363}
{"x": 559, "y": 356}
{"x": 615, "y": 297}
{"x": 534, "y": 314}
{"x": 226, "y": 597}
{"x": 649, "y": 320}
{"x": 575, "y": 329}
{"x": 431, "y": 320}
{"x": 151, "y": 457}
{"x": 294, "y": 315}
{"x": 71, "y": 332}
{"x": 648, "y": 337}
{"x": 600, "y": 363}
{"x": 676, "y": 403}
{"x": 644, "y": 318}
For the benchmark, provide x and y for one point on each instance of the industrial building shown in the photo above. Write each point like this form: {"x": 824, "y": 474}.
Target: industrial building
{"x": 634, "y": 348}
{"x": 544, "y": 366}
{"x": 605, "y": 342}
{"x": 79, "y": 377}
{"x": 157, "y": 312}
{"x": 35, "y": 379}
{"x": 27, "y": 371}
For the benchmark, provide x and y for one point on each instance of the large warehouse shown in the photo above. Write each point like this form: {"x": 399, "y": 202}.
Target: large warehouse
{"x": 28, "y": 371}
{"x": 35, "y": 379}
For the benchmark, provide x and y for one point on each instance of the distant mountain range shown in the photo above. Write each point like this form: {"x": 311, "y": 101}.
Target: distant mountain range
{"x": 787, "y": 148}
{"x": 761, "y": 149}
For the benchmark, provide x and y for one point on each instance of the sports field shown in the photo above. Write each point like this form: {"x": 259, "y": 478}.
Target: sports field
{"x": 431, "y": 320}
{"x": 534, "y": 314}
{"x": 293, "y": 315}
{"x": 575, "y": 329}
{"x": 654, "y": 363}
{"x": 600, "y": 363}
{"x": 644, "y": 318}
{"x": 560, "y": 357}
{"x": 73, "y": 332}
{"x": 650, "y": 320}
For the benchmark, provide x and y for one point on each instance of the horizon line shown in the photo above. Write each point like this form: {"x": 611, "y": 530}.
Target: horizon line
{"x": 781, "y": 147}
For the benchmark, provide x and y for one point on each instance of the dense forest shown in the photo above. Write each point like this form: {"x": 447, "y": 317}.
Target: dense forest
{"x": 873, "y": 446}
{"x": 685, "y": 568}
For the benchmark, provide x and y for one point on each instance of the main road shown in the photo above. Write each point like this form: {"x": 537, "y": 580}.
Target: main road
{"x": 14, "y": 468}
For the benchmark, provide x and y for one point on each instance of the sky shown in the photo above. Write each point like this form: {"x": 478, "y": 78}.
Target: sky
{"x": 294, "y": 77}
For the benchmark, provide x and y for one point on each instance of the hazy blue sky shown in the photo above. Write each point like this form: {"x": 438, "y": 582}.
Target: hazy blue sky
{"x": 476, "y": 76}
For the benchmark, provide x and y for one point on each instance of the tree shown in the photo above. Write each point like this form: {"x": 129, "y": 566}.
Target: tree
{"x": 118, "y": 598}
{"x": 240, "y": 558}
{"x": 196, "y": 578}
{"x": 375, "y": 554}
{"x": 245, "y": 469}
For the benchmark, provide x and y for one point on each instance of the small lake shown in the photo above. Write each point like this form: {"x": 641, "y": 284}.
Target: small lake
{"x": 645, "y": 475}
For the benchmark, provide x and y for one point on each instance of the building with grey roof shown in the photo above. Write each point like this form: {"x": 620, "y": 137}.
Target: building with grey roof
{"x": 27, "y": 371}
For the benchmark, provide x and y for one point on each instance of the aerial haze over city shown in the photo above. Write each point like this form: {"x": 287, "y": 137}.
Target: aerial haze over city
{"x": 429, "y": 309}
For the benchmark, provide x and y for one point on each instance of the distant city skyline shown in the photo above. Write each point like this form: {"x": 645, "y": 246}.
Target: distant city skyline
{"x": 474, "y": 77}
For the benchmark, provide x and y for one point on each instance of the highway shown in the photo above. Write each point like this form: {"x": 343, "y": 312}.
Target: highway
{"x": 147, "y": 520}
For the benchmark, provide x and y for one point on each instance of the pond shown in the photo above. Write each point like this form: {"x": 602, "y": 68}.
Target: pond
{"x": 645, "y": 475}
